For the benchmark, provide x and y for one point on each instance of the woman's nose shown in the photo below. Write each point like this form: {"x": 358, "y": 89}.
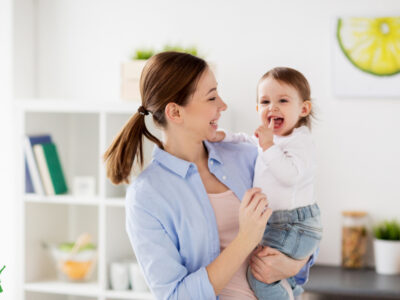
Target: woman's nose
{"x": 223, "y": 105}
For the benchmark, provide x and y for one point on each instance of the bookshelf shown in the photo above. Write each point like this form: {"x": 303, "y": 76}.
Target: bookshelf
{"x": 82, "y": 130}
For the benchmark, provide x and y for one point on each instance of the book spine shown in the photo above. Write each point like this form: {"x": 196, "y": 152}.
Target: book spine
{"x": 43, "y": 169}
{"x": 33, "y": 169}
{"x": 55, "y": 169}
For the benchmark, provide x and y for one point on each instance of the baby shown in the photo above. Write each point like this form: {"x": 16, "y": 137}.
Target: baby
{"x": 285, "y": 170}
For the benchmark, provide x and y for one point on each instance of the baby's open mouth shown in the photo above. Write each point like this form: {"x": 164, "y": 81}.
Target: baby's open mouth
{"x": 278, "y": 121}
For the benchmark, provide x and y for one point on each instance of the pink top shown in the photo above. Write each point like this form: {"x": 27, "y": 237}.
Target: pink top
{"x": 226, "y": 209}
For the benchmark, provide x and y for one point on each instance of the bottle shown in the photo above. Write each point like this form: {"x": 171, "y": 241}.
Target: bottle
{"x": 354, "y": 239}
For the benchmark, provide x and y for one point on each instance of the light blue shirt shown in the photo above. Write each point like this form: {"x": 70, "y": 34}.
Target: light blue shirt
{"x": 171, "y": 223}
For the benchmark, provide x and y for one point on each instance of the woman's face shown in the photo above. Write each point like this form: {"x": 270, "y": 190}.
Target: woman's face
{"x": 203, "y": 110}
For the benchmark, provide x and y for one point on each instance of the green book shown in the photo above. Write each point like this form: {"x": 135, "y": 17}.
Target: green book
{"x": 55, "y": 169}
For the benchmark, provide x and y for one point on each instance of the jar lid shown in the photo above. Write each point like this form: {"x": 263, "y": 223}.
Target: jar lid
{"x": 354, "y": 213}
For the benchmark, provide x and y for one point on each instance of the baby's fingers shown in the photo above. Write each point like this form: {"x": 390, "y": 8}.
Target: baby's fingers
{"x": 271, "y": 124}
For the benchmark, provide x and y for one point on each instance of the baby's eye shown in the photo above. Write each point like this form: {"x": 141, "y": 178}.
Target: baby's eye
{"x": 283, "y": 101}
{"x": 264, "y": 101}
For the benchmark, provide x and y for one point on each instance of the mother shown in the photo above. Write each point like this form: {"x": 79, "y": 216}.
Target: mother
{"x": 191, "y": 233}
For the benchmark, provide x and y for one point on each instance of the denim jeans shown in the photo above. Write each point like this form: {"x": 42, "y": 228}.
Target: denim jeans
{"x": 295, "y": 233}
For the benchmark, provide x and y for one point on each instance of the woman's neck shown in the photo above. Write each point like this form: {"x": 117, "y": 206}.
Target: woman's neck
{"x": 186, "y": 149}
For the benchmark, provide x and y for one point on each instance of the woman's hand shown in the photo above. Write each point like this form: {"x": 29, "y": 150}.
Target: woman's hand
{"x": 253, "y": 216}
{"x": 269, "y": 265}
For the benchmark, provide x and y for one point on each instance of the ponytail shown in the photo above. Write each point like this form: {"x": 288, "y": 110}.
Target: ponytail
{"x": 127, "y": 148}
{"x": 167, "y": 77}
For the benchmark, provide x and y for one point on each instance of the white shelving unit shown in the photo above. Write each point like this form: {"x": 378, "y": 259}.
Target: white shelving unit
{"x": 82, "y": 131}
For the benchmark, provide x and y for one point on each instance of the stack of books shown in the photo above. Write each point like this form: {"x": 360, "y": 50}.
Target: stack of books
{"x": 43, "y": 171}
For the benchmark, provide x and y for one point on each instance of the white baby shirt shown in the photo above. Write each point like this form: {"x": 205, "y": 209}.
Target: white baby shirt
{"x": 285, "y": 172}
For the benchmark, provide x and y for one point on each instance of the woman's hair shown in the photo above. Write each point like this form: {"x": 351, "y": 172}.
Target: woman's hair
{"x": 167, "y": 77}
{"x": 299, "y": 82}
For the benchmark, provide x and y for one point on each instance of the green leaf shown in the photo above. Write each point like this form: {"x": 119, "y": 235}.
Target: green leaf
{"x": 387, "y": 230}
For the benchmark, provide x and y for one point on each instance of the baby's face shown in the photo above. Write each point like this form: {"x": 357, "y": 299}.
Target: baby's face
{"x": 281, "y": 102}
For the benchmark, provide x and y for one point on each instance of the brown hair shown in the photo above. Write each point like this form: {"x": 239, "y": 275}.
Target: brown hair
{"x": 167, "y": 77}
{"x": 299, "y": 82}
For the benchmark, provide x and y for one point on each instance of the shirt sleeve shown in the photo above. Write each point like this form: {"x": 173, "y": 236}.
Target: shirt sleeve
{"x": 160, "y": 260}
{"x": 302, "y": 277}
{"x": 289, "y": 162}
{"x": 240, "y": 138}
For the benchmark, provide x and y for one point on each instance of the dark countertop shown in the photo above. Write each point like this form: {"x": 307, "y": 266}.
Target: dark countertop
{"x": 335, "y": 280}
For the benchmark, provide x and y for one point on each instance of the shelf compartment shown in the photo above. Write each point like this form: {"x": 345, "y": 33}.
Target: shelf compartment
{"x": 47, "y": 224}
{"x": 76, "y": 137}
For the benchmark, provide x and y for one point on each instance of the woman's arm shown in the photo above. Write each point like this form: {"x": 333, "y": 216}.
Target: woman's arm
{"x": 253, "y": 215}
{"x": 162, "y": 264}
{"x": 269, "y": 265}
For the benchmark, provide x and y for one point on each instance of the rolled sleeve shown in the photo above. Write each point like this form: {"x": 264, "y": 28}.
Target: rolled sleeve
{"x": 160, "y": 260}
{"x": 302, "y": 277}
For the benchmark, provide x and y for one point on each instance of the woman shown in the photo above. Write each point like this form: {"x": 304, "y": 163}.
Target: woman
{"x": 185, "y": 207}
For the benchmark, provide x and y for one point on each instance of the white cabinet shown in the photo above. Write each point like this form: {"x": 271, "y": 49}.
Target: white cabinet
{"x": 82, "y": 131}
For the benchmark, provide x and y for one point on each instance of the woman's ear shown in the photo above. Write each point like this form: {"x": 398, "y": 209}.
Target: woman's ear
{"x": 173, "y": 112}
{"x": 305, "y": 108}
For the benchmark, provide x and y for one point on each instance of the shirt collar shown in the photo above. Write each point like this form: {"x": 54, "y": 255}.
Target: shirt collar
{"x": 180, "y": 166}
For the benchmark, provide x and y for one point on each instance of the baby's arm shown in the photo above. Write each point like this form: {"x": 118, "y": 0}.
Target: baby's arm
{"x": 291, "y": 161}
{"x": 240, "y": 137}
{"x": 224, "y": 136}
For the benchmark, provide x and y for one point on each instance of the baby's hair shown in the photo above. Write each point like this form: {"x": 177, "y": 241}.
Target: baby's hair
{"x": 299, "y": 82}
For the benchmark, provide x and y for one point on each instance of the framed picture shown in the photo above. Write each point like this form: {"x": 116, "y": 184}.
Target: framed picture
{"x": 366, "y": 57}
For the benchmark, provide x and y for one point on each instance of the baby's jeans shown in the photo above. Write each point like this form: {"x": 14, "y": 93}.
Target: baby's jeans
{"x": 295, "y": 233}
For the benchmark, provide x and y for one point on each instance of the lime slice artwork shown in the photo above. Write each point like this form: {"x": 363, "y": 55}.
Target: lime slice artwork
{"x": 371, "y": 44}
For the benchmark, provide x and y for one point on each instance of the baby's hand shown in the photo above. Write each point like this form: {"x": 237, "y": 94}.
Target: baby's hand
{"x": 218, "y": 137}
{"x": 265, "y": 135}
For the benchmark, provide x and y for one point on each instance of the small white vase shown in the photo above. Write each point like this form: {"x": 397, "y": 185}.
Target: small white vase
{"x": 387, "y": 257}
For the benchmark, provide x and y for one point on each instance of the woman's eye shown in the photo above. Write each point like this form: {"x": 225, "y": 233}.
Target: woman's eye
{"x": 213, "y": 98}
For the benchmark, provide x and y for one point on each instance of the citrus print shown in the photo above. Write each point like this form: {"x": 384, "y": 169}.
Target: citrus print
{"x": 371, "y": 44}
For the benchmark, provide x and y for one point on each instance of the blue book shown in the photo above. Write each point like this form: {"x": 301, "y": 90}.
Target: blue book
{"x": 28, "y": 180}
{"x": 33, "y": 173}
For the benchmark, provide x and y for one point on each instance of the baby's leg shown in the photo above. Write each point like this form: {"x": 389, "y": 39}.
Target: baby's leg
{"x": 280, "y": 290}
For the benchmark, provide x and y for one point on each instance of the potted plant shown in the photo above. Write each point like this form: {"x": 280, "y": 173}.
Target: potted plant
{"x": 130, "y": 74}
{"x": 387, "y": 247}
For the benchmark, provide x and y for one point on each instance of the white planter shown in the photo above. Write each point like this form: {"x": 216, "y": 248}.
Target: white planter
{"x": 387, "y": 256}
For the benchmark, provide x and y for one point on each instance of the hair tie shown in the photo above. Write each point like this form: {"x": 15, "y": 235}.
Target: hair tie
{"x": 143, "y": 111}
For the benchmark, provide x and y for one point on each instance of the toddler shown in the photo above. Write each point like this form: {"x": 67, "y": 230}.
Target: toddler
{"x": 285, "y": 170}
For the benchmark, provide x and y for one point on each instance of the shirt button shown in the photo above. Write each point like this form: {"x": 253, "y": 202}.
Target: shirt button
{"x": 224, "y": 177}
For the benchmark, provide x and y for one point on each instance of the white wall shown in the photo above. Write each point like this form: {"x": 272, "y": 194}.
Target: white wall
{"x": 8, "y": 202}
{"x": 80, "y": 45}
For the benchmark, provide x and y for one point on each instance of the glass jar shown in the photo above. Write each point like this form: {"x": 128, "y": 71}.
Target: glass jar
{"x": 354, "y": 239}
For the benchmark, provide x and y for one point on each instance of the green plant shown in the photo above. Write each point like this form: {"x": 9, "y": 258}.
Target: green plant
{"x": 143, "y": 54}
{"x": 387, "y": 230}
{"x": 190, "y": 50}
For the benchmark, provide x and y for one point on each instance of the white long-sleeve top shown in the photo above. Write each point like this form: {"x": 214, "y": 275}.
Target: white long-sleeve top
{"x": 285, "y": 172}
